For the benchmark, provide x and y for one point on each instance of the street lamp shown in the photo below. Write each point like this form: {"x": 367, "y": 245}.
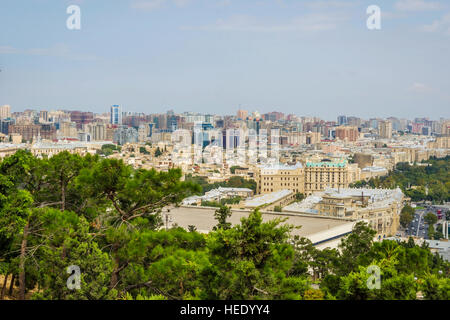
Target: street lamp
{"x": 168, "y": 219}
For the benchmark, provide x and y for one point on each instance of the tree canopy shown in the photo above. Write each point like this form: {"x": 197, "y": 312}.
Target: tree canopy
{"x": 105, "y": 218}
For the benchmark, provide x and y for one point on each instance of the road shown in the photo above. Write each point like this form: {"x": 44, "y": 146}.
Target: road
{"x": 419, "y": 227}
{"x": 418, "y": 223}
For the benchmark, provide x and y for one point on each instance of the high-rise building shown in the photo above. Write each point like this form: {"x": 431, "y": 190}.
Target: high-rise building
{"x": 354, "y": 121}
{"x": 385, "y": 129}
{"x": 5, "y": 112}
{"x": 373, "y": 123}
{"x": 81, "y": 118}
{"x": 242, "y": 114}
{"x": 32, "y": 131}
{"x": 273, "y": 116}
{"x": 67, "y": 129}
{"x": 4, "y": 125}
{"x": 97, "y": 131}
{"x": 116, "y": 115}
{"x": 347, "y": 133}
{"x": 43, "y": 116}
{"x": 125, "y": 135}
{"x": 445, "y": 128}
{"x": 342, "y": 120}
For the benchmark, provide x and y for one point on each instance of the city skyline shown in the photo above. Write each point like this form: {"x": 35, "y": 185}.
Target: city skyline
{"x": 309, "y": 58}
{"x": 226, "y": 114}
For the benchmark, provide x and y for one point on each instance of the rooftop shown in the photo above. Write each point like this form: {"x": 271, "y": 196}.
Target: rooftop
{"x": 332, "y": 164}
{"x": 203, "y": 219}
{"x": 67, "y": 144}
{"x": 298, "y": 165}
{"x": 374, "y": 169}
{"x": 378, "y": 198}
{"x": 267, "y": 198}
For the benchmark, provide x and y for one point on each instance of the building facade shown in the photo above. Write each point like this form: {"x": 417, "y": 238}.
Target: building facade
{"x": 116, "y": 115}
{"x": 280, "y": 177}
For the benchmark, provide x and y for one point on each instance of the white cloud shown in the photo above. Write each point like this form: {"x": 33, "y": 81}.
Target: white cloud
{"x": 331, "y": 4}
{"x": 310, "y": 22}
{"x": 147, "y": 4}
{"x": 58, "y": 50}
{"x": 441, "y": 25}
{"x": 157, "y": 4}
{"x": 8, "y": 50}
{"x": 417, "y": 5}
{"x": 418, "y": 87}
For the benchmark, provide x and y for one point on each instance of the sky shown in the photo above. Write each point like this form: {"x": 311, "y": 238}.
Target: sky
{"x": 303, "y": 57}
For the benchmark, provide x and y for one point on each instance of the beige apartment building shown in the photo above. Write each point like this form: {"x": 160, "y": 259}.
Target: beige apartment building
{"x": 347, "y": 133}
{"x": 445, "y": 129}
{"x": 336, "y": 174}
{"x": 442, "y": 142}
{"x": 418, "y": 154}
{"x": 314, "y": 176}
{"x": 385, "y": 129}
{"x": 242, "y": 114}
{"x": 67, "y": 129}
{"x": 5, "y": 111}
{"x": 273, "y": 178}
{"x": 97, "y": 131}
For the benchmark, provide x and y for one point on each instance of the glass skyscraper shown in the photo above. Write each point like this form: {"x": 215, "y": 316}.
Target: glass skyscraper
{"x": 116, "y": 115}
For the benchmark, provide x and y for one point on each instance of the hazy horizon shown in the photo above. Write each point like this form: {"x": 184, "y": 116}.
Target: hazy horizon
{"x": 309, "y": 58}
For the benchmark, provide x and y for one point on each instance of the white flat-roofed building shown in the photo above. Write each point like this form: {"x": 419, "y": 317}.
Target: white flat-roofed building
{"x": 380, "y": 207}
{"x": 323, "y": 232}
{"x": 218, "y": 194}
{"x": 52, "y": 148}
{"x": 372, "y": 172}
{"x": 271, "y": 200}
{"x": 8, "y": 149}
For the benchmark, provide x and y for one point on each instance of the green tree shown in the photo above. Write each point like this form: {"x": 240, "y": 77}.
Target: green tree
{"x": 221, "y": 215}
{"x": 406, "y": 216}
{"x": 158, "y": 152}
{"x": 431, "y": 232}
{"x": 136, "y": 198}
{"x": 251, "y": 260}
{"x": 393, "y": 286}
{"x": 233, "y": 169}
{"x": 299, "y": 197}
{"x": 66, "y": 241}
{"x": 354, "y": 247}
{"x": 161, "y": 262}
{"x": 430, "y": 218}
{"x": 308, "y": 257}
{"x": 63, "y": 168}
{"x": 435, "y": 288}
{"x": 15, "y": 208}
{"x": 109, "y": 149}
